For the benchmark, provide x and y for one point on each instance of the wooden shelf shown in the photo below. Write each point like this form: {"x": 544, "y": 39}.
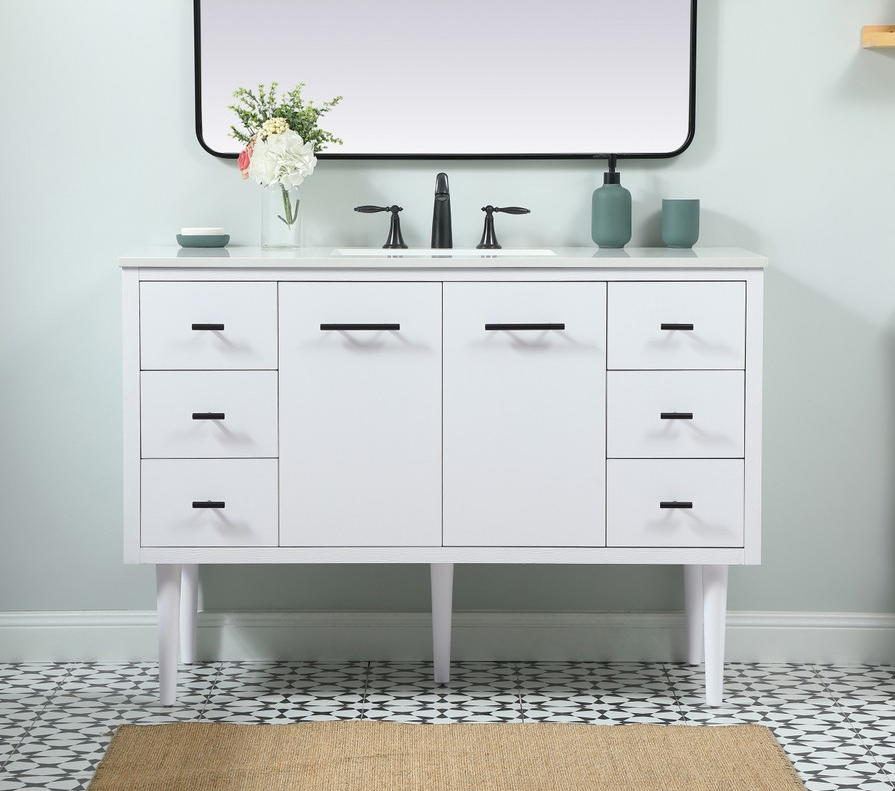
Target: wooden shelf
{"x": 876, "y": 36}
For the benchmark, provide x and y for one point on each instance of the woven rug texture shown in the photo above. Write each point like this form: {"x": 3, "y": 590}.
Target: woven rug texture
{"x": 390, "y": 756}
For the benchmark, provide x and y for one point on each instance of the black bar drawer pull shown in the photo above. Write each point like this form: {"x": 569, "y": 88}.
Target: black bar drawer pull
{"x": 208, "y": 503}
{"x": 362, "y": 327}
{"x": 675, "y": 504}
{"x": 215, "y": 327}
{"x": 510, "y": 327}
{"x": 676, "y": 415}
{"x": 208, "y": 415}
{"x": 672, "y": 326}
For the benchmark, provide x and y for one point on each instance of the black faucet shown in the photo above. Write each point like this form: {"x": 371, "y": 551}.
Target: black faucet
{"x": 395, "y": 238}
{"x": 489, "y": 238}
{"x": 441, "y": 214}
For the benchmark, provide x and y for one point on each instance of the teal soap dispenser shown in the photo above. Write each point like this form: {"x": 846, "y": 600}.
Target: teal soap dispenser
{"x": 610, "y": 223}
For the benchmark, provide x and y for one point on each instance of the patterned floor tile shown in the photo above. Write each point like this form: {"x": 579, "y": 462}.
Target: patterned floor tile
{"x": 279, "y": 693}
{"x": 477, "y": 692}
{"x": 48, "y": 781}
{"x": 866, "y": 682}
{"x": 131, "y": 685}
{"x": 842, "y": 781}
{"x": 69, "y": 741}
{"x": 15, "y": 722}
{"x": 836, "y": 722}
{"x": 753, "y": 685}
{"x": 37, "y": 677}
{"x": 597, "y": 692}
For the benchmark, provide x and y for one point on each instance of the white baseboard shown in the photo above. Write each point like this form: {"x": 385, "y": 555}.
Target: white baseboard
{"x": 657, "y": 637}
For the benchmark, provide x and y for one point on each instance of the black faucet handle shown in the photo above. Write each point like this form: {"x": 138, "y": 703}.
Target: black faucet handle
{"x": 489, "y": 238}
{"x": 507, "y": 209}
{"x": 374, "y": 209}
{"x": 395, "y": 240}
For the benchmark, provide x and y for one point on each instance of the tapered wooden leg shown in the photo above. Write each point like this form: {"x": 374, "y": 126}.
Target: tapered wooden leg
{"x": 167, "y": 580}
{"x": 442, "y": 580}
{"x": 693, "y": 612}
{"x": 189, "y": 610}
{"x": 714, "y": 597}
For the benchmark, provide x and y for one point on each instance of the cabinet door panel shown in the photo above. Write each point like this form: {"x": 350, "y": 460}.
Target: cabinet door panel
{"x": 209, "y": 414}
{"x": 675, "y": 503}
{"x": 360, "y": 414}
{"x": 208, "y": 325}
{"x": 524, "y": 414}
{"x": 675, "y": 414}
{"x": 677, "y": 325}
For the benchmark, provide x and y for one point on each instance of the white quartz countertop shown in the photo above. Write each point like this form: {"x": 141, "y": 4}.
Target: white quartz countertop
{"x": 237, "y": 257}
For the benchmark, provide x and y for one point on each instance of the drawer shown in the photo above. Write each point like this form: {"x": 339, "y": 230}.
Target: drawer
{"x": 675, "y": 414}
{"x": 208, "y": 414}
{"x": 176, "y": 495}
{"x": 674, "y": 503}
{"x": 676, "y": 325}
{"x": 208, "y": 325}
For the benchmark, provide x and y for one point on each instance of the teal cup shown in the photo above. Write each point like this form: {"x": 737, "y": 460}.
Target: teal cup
{"x": 680, "y": 223}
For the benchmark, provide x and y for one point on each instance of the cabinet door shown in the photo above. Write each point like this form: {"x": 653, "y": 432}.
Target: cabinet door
{"x": 360, "y": 414}
{"x": 524, "y": 414}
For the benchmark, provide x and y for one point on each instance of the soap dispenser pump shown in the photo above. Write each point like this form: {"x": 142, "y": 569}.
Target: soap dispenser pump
{"x": 610, "y": 224}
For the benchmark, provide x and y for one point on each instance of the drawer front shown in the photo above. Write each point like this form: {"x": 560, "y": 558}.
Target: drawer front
{"x": 524, "y": 412}
{"x": 676, "y": 325}
{"x": 208, "y": 414}
{"x": 360, "y": 414}
{"x": 680, "y": 503}
{"x": 243, "y": 494}
{"x": 675, "y": 414}
{"x": 208, "y": 325}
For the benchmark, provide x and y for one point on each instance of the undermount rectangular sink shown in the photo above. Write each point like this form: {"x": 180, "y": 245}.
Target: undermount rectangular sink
{"x": 379, "y": 252}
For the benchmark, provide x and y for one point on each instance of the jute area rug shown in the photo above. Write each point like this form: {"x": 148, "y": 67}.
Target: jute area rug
{"x": 388, "y": 756}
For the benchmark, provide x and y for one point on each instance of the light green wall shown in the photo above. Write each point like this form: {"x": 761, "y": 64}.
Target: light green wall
{"x": 793, "y": 157}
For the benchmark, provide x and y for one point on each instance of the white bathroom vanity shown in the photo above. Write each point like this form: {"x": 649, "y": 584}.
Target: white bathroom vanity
{"x": 370, "y": 406}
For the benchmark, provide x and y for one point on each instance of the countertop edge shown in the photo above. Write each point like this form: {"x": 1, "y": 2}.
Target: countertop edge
{"x": 323, "y": 259}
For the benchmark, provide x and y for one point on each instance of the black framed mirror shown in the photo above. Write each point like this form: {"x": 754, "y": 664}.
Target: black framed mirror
{"x": 426, "y": 79}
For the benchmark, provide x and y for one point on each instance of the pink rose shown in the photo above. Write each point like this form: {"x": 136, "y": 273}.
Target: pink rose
{"x": 245, "y": 159}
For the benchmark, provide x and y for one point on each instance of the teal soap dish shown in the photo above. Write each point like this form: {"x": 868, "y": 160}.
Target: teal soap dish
{"x": 203, "y": 240}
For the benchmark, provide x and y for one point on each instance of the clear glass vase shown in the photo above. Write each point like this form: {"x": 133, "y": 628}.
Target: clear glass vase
{"x": 280, "y": 217}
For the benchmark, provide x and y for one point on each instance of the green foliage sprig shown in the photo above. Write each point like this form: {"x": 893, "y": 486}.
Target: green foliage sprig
{"x": 253, "y": 109}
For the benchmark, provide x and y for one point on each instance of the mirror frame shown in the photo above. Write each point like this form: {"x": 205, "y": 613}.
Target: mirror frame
{"x": 691, "y": 119}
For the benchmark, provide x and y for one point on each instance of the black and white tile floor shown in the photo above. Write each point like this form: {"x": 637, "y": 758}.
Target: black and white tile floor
{"x": 836, "y": 722}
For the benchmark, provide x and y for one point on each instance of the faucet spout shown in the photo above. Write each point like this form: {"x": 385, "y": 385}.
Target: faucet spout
{"x": 442, "y": 237}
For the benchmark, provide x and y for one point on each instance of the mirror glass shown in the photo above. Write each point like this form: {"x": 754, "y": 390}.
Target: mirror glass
{"x": 460, "y": 78}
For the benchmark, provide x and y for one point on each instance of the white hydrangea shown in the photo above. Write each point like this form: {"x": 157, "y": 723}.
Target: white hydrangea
{"x": 282, "y": 158}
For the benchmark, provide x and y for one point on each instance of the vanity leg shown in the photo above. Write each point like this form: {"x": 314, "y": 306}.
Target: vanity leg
{"x": 189, "y": 610}
{"x": 442, "y": 580}
{"x": 167, "y": 580}
{"x": 714, "y": 597}
{"x": 693, "y": 613}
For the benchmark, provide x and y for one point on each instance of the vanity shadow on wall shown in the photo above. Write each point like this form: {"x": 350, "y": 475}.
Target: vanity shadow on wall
{"x": 469, "y": 80}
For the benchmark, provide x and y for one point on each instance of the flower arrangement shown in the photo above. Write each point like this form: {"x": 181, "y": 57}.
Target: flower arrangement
{"x": 281, "y": 135}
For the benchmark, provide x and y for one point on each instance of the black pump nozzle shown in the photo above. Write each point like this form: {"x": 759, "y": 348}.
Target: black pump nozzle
{"x": 611, "y": 176}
